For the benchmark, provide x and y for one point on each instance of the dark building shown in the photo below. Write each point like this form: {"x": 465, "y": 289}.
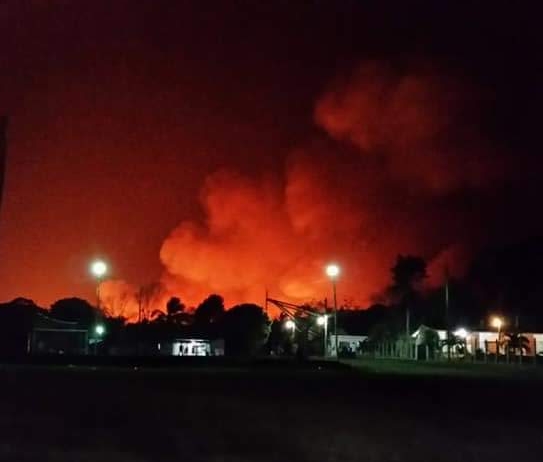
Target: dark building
{"x": 25, "y": 329}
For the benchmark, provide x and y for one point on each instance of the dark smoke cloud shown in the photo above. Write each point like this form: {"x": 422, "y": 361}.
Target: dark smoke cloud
{"x": 421, "y": 125}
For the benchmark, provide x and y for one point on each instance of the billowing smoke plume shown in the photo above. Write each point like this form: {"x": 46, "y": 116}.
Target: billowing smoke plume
{"x": 381, "y": 181}
{"x": 421, "y": 126}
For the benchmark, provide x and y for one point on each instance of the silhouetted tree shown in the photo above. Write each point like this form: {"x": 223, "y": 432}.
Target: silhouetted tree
{"x": 245, "y": 329}
{"x": 279, "y": 340}
{"x": 517, "y": 342}
{"x": 145, "y": 297}
{"x": 175, "y": 314}
{"x": 75, "y": 310}
{"x": 407, "y": 275}
{"x": 209, "y": 311}
{"x": 174, "y": 307}
{"x": 430, "y": 338}
{"x": 16, "y": 322}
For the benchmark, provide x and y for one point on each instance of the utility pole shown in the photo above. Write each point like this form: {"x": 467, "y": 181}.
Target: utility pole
{"x": 3, "y": 151}
{"x": 326, "y": 327}
{"x": 335, "y": 318}
{"x": 447, "y": 323}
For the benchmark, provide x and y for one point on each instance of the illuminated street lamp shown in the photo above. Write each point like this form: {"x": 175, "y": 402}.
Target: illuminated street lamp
{"x": 98, "y": 269}
{"x": 323, "y": 321}
{"x": 290, "y": 325}
{"x": 99, "y": 329}
{"x": 497, "y": 322}
{"x": 461, "y": 332}
{"x": 332, "y": 271}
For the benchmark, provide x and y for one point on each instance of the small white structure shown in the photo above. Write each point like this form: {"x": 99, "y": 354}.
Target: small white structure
{"x": 192, "y": 347}
{"x": 352, "y": 344}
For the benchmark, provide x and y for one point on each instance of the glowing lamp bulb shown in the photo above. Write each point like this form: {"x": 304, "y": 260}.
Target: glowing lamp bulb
{"x": 332, "y": 271}
{"x": 290, "y": 324}
{"x": 461, "y": 332}
{"x": 497, "y": 322}
{"x": 321, "y": 320}
{"x": 98, "y": 268}
{"x": 99, "y": 329}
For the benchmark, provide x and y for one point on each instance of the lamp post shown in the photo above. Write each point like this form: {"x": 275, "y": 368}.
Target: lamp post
{"x": 332, "y": 271}
{"x": 99, "y": 331}
{"x": 291, "y": 325}
{"x": 323, "y": 321}
{"x": 462, "y": 334}
{"x": 497, "y": 322}
{"x": 98, "y": 269}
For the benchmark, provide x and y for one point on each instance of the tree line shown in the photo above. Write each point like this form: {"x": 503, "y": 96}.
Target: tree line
{"x": 502, "y": 282}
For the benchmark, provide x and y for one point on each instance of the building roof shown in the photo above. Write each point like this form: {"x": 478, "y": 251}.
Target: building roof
{"x": 43, "y": 322}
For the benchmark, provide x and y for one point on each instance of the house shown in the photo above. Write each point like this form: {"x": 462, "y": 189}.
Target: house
{"x": 478, "y": 340}
{"x": 25, "y": 328}
{"x": 347, "y": 344}
{"x": 54, "y": 336}
{"x": 191, "y": 347}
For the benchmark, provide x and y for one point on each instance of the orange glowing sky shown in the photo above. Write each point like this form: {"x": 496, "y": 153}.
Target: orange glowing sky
{"x": 242, "y": 148}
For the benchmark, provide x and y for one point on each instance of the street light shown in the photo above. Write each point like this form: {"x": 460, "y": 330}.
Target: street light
{"x": 461, "y": 332}
{"x": 100, "y": 330}
{"x": 323, "y": 321}
{"x": 290, "y": 325}
{"x": 98, "y": 269}
{"x": 497, "y": 322}
{"x": 332, "y": 271}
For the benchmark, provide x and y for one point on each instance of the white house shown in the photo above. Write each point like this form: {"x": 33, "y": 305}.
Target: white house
{"x": 480, "y": 340}
{"x": 349, "y": 343}
{"x": 192, "y": 347}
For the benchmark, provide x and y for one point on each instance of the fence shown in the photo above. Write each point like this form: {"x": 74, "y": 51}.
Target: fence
{"x": 493, "y": 352}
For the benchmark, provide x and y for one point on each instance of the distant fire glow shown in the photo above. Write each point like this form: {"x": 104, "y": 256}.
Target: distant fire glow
{"x": 278, "y": 231}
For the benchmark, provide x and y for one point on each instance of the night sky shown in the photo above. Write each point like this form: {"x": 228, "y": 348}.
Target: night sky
{"x": 232, "y": 146}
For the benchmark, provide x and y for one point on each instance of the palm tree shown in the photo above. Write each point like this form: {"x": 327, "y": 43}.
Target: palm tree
{"x": 430, "y": 339}
{"x": 456, "y": 344}
{"x": 515, "y": 341}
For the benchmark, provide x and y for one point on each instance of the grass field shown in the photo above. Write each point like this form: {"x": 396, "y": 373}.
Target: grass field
{"x": 374, "y": 411}
{"x": 455, "y": 369}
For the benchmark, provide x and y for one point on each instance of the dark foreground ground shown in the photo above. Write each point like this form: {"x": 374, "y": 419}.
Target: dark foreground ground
{"x": 370, "y": 412}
